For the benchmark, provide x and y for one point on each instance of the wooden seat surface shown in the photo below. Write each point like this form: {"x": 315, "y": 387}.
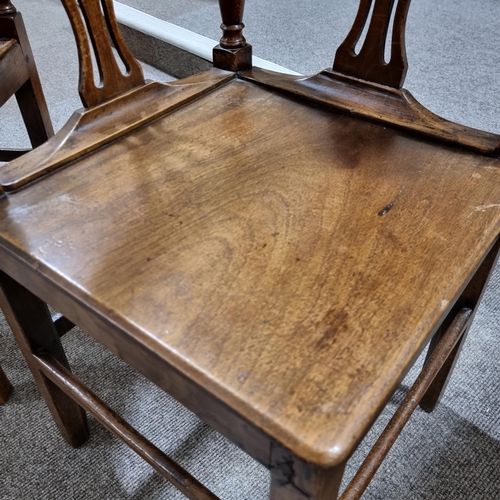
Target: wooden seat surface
{"x": 296, "y": 283}
{"x": 5, "y": 46}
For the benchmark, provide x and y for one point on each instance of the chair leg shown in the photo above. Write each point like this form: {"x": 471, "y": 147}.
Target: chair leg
{"x": 35, "y": 114}
{"x": 30, "y": 97}
{"x": 471, "y": 297}
{"x": 293, "y": 479}
{"x": 5, "y": 387}
{"x": 32, "y": 326}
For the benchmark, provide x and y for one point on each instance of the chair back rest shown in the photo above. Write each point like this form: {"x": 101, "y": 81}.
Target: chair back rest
{"x": 362, "y": 81}
{"x": 369, "y": 63}
{"x": 96, "y": 29}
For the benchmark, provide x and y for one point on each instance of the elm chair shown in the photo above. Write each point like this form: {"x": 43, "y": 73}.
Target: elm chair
{"x": 19, "y": 77}
{"x": 273, "y": 251}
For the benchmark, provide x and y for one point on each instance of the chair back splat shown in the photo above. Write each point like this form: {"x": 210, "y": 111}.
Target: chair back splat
{"x": 99, "y": 32}
{"x": 276, "y": 265}
{"x": 369, "y": 62}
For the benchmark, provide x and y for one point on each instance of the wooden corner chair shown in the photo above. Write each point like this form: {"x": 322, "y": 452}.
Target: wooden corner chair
{"x": 275, "y": 252}
{"x": 19, "y": 77}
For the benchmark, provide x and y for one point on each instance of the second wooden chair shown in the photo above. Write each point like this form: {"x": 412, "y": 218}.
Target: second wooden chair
{"x": 19, "y": 78}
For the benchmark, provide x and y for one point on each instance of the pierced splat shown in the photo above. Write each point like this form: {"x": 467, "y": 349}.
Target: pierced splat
{"x": 92, "y": 27}
{"x": 368, "y": 63}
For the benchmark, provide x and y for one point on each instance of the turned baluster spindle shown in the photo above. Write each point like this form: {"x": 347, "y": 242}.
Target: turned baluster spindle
{"x": 232, "y": 24}
{"x": 232, "y": 53}
{"x": 6, "y": 7}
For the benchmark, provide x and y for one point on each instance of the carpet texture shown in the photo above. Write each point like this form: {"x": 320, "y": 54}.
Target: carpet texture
{"x": 453, "y": 453}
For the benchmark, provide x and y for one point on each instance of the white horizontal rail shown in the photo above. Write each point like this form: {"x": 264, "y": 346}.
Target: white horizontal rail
{"x": 184, "y": 39}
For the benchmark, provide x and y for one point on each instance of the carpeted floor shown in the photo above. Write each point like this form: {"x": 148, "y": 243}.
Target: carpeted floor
{"x": 453, "y": 453}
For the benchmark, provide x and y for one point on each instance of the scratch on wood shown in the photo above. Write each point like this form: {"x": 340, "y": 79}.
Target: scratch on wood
{"x": 482, "y": 208}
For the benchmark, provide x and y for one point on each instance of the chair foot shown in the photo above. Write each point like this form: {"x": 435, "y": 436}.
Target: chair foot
{"x": 32, "y": 326}
{"x": 35, "y": 114}
{"x": 292, "y": 479}
{"x": 5, "y": 387}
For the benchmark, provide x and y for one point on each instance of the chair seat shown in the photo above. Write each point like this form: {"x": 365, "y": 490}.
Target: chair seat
{"x": 5, "y": 46}
{"x": 12, "y": 68}
{"x": 292, "y": 260}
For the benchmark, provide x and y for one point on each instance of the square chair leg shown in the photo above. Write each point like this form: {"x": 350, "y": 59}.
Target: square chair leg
{"x": 32, "y": 326}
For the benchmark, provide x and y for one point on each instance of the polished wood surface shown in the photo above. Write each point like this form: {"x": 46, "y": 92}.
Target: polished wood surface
{"x": 90, "y": 129}
{"x": 5, "y": 46}
{"x": 227, "y": 260}
{"x": 387, "y": 105}
{"x": 14, "y": 75}
{"x": 274, "y": 264}
{"x": 6, "y": 7}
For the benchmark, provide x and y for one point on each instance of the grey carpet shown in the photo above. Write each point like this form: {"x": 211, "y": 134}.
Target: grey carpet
{"x": 453, "y": 453}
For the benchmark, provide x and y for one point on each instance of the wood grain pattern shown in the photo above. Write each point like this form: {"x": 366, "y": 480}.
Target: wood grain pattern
{"x": 13, "y": 74}
{"x": 88, "y": 130}
{"x": 237, "y": 261}
{"x": 275, "y": 265}
{"x": 377, "y": 102}
{"x": 145, "y": 360}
